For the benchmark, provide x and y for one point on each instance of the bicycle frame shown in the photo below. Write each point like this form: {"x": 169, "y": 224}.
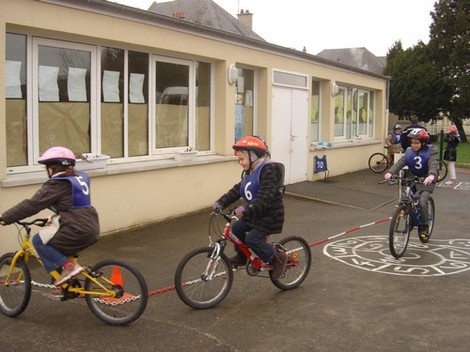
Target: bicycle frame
{"x": 27, "y": 250}
{"x": 255, "y": 262}
{"x": 412, "y": 200}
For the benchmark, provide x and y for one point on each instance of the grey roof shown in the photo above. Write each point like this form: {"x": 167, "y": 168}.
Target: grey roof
{"x": 356, "y": 57}
{"x": 206, "y": 13}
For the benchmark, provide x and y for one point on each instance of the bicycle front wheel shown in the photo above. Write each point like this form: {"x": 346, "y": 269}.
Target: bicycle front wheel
{"x": 443, "y": 170}
{"x": 431, "y": 217}
{"x": 202, "y": 282}
{"x": 129, "y": 285}
{"x": 378, "y": 163}
{"x": 399, "y": 234}
{"x": 299, "y": 260}
{"x": 15, "y": 291}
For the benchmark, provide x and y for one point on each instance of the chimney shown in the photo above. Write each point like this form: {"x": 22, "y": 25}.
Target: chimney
{"x": 246, "y": 18}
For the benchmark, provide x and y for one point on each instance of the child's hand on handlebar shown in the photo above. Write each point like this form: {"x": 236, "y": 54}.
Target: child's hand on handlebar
{"x": 428, "y": 180}
{"x": 217, "y": 207}
{"x": 239, "y": 211}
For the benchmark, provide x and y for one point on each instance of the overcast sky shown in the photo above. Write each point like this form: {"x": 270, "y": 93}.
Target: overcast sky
{"x": 327, "y": 24}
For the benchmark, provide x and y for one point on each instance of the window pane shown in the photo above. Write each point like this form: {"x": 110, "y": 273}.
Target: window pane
{"x": 315, "y": 117}
{"x": 339, "y": 113}
{"x": 138, "y": 64}
{"x": 112, "y": 106}
{"x": 64, "y": 98}
{"x": 371, "y": 120}
{"x": 172, "y": 86}
{"x": 363, "y": 112}
{"x": 15, "y": 93}
{"x": 203, "y": 105}
{"x": 244, "y": 106}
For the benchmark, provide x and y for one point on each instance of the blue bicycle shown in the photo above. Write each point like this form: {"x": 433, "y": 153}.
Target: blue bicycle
{"x": 407, "y": 215}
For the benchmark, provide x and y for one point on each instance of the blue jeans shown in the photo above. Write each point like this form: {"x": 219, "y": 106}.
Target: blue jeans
{"x": 51, "y": 258}
{"x": 255, "y": 239}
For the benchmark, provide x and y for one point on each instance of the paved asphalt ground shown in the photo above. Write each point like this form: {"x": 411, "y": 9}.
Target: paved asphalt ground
{"x": 356, "y": 297}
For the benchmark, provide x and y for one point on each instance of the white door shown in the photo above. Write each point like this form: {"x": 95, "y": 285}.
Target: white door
{"x": 289, "y": 131}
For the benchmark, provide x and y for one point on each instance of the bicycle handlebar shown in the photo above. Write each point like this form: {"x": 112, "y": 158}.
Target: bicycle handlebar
{"x": 38, "y": 222}
{"x": 227, "y": 215}
{"x": 395, "y": 178}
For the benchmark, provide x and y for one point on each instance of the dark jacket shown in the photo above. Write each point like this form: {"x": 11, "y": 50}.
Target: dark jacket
{"x": 266, "y": 211}
{"x": 450, "y": 153}
{"x": 79, "y": 227}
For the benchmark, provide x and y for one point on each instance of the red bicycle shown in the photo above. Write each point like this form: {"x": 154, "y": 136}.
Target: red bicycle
{"x": 204, "y": 276}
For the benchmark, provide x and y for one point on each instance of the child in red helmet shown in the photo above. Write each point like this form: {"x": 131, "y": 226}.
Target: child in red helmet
{"x": 75, "y": 223}
{"x": 263, "y": 213}
{"x": 419, "y": 157}
{"x": 450, "y": 154}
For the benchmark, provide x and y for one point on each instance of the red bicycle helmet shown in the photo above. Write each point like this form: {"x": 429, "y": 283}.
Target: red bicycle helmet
{"x": 419, "y": 134}
{"x": 57, "y": 156}
{"x": 251, "y": 143}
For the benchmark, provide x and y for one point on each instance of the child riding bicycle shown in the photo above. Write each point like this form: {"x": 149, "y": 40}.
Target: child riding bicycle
{"x": 420, "y": 161}
{"x": 392, "y": 142}
{"x": 74, "y": 225}
{"x": 263, "y": 213}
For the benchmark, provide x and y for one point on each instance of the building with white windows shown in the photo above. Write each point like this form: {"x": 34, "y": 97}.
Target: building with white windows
{"x": 142, "y": 87}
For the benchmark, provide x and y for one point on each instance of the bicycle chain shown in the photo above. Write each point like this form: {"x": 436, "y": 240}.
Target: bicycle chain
{"x": 100, "y": 300}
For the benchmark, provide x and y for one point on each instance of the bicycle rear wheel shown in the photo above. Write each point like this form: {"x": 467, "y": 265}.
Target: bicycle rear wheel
{"x": 431, "y": 217}
{"x": 298, "y": 263}
{"x": 400, "y": 228}
{"x": 443, "y": 170}
{"x": 128, "y": 284}
{"x": 378, "y": 163}
{"x": 202, "y": 282}
{"x": 16, "y": 292}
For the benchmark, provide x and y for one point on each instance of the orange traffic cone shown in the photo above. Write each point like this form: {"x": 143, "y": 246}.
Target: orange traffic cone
{"x": 116, "y": 276}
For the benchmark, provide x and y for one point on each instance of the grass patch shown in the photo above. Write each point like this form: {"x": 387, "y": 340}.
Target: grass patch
{"x": 463, "y": 155}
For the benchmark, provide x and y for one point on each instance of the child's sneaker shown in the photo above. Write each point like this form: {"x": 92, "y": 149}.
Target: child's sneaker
{"x": 68, "y": 273}
{"x": 424, "y": 233}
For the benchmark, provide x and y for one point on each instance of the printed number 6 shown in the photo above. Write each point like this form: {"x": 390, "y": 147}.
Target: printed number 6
{"x": 248, "y": 194}
{"x": 84, "y": 185}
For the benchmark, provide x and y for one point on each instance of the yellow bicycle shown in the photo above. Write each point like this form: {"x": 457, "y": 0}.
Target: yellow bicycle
{"x": 114, "y": 291}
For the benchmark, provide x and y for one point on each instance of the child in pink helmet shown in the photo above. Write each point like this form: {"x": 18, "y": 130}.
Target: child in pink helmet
{"x": 74, "y": 224}
{"x": 450, "y": 154}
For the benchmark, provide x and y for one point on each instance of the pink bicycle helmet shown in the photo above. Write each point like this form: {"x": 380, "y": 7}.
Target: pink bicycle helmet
{"x": 452, "y": 129}
{"x": 58, "y": 156}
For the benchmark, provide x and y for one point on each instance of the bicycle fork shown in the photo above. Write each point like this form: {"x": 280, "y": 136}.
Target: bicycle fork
{"x": 18, "y": 255}
{"x": 214, "y": 260}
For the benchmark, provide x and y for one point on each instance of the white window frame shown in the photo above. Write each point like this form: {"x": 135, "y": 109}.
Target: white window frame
{"x": 191, "y": 103}
{"x": 33, "y": 114}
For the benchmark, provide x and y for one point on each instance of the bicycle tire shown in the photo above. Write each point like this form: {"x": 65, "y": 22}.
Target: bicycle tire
{"x": 194, "y": 288}
{"x": 15, "y": 296}
{"x": 431, "y": 217}
{"x": 378, "y": 163}
{"x": 129, "y": 305}
{"x": 400, "y": 228}
{"x": 443, "y": 170}
{"x": 298, "y": 250}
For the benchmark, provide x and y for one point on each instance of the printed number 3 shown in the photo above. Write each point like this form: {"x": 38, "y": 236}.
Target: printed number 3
{"x": 418, "y": 162}
{"x": 84, "y": 185}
